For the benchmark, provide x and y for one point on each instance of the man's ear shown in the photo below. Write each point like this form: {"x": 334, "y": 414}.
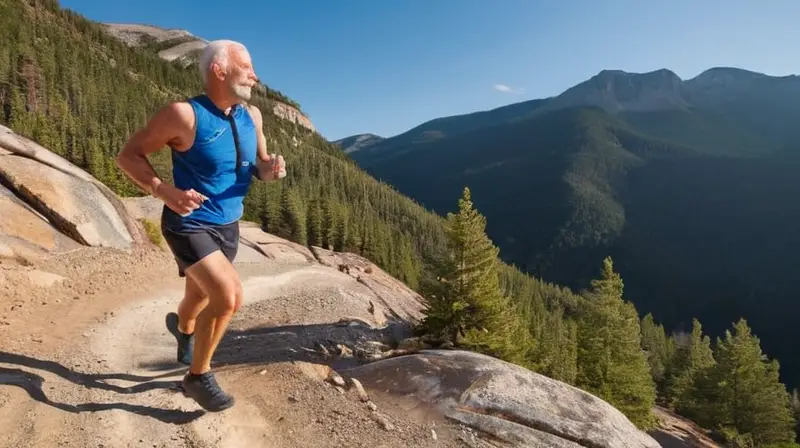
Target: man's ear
{"x": 217, "y": 70}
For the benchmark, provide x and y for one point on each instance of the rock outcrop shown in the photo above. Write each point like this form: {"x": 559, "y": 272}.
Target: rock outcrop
{"x": 379, "y": 282}
{"x": 675, "y": 431}
{"x": 38, "y": 182}
{"x": 291, "y": 113}
{"x": 503, "y": 400}
{"x": 133, "y": 34}
{"x": 26, "y": 234}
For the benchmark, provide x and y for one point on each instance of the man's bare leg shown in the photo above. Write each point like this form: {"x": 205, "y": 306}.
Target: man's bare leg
{"x": 193, "y": 303}
{"x": 219, "y": 327}
{"x": 182, "y": 323}
{"x": 219, "y": 280}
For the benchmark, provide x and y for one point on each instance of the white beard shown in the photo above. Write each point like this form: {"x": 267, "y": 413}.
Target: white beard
{"x": 242, "y": 92}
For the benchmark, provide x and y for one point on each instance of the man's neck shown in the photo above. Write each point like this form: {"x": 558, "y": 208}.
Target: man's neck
{"x": 223, "y": 102}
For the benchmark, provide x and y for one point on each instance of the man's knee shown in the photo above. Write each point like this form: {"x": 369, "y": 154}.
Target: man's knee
{"x": 217, "y": 278}
{"x": 231, "y": 299}
{"x": 228, "y": 300}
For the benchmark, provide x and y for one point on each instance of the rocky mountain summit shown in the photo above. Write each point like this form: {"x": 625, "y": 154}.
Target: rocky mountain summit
{"x": 322, "y": 353}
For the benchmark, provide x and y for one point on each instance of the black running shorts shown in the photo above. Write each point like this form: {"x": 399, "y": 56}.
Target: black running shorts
{"x": 191, "y": 241}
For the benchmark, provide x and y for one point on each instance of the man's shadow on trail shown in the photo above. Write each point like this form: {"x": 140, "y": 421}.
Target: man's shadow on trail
{"x": 32, "y": 384}
{"x": 262, "y": 345}
{"x": 314, "y": 343}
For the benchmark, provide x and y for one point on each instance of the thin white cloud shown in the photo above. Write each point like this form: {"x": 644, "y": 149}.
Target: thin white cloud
{"x": 506, "y": 89}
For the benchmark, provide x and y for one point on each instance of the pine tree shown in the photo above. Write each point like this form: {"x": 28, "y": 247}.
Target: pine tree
{"x": 748, "y": 401}
{"x": 611, "y": 362}
{"x": 328, "y": 222}
{"x": 795, "y": 404}
{"x": 292, "y": 224}
{"x": 467, "y": 305}
{"x": 341, "y": 233}
{"x": 557, "y": 347}
{"x": 314, "y": 223}
{"x": 658, "y": 347}
{"x": 684, "y": 387}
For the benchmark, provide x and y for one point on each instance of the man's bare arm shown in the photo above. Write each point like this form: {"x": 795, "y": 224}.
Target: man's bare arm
{"x": 167, "y": 126}
{"x": 268, "y": 166}
{"x": 258, "y": 120}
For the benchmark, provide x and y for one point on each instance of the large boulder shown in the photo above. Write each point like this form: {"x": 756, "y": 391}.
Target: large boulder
{"x": 498, "y": 398}
{"x": 25, "y": 233}
{"x": 72, "y": 200}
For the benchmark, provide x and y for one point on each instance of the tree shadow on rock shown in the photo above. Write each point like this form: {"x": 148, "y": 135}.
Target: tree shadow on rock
{"x": 32, "y": 383}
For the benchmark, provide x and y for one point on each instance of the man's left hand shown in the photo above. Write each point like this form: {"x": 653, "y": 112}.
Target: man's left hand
{"x": 273, "y": 168}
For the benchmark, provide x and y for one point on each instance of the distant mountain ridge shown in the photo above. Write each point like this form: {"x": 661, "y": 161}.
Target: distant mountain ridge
{"x": 616, "y": 92}
{"x": 689, "y": 184}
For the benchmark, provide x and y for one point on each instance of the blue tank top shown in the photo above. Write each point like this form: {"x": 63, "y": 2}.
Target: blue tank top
{"x": 213, "y": 166}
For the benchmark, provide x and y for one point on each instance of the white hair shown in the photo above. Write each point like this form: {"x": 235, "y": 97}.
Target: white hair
{"x": 217, "y": 51}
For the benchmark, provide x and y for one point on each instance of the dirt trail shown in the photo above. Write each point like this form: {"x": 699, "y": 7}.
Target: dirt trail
{"x": 103, "y": 372}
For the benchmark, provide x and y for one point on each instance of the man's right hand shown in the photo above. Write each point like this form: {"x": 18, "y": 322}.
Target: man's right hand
{"x": 182, "y": 202}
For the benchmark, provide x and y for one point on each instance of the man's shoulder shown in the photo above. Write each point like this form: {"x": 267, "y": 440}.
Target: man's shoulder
{"x": 177, "y": 113}
{"x": 181, "y": 108}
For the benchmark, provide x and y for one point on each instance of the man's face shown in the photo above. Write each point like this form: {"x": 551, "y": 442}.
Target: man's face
{"x": 241, "y": 76}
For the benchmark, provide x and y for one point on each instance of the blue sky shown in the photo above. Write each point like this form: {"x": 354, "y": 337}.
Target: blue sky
{"x": 383, "y": 67}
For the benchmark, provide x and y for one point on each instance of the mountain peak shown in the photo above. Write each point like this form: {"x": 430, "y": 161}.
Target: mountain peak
{"x": 723, "y": 80}
{"x": 729, "y": 71}
{"x": 662, "y": 73}
{"x": 357, "y": 142}
{"x": 617, "y": 91}
{"x": 717, "y": 74}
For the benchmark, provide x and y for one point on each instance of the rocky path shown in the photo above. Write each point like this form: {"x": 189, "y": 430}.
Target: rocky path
{"x": 104, "y": 374}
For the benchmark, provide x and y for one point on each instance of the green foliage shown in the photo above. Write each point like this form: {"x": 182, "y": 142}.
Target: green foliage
{"x": 611, "y": 362}
{"x": 153, "y": 232}
{"x": 467, "y": 305}
{"x": 693, "y": 356}
{"x": 556, "y": 353}
{"x": 745, "y": 393}
{"x": 659, "y": 348}
{"x": 731, "y": 388}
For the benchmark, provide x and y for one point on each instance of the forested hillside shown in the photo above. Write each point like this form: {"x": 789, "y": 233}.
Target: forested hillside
{"x": 688, "y": 185}
{"x": 67, "y": 84}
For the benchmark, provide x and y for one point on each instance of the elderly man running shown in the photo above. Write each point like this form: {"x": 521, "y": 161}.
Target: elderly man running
{"x": 217, "y": 146}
